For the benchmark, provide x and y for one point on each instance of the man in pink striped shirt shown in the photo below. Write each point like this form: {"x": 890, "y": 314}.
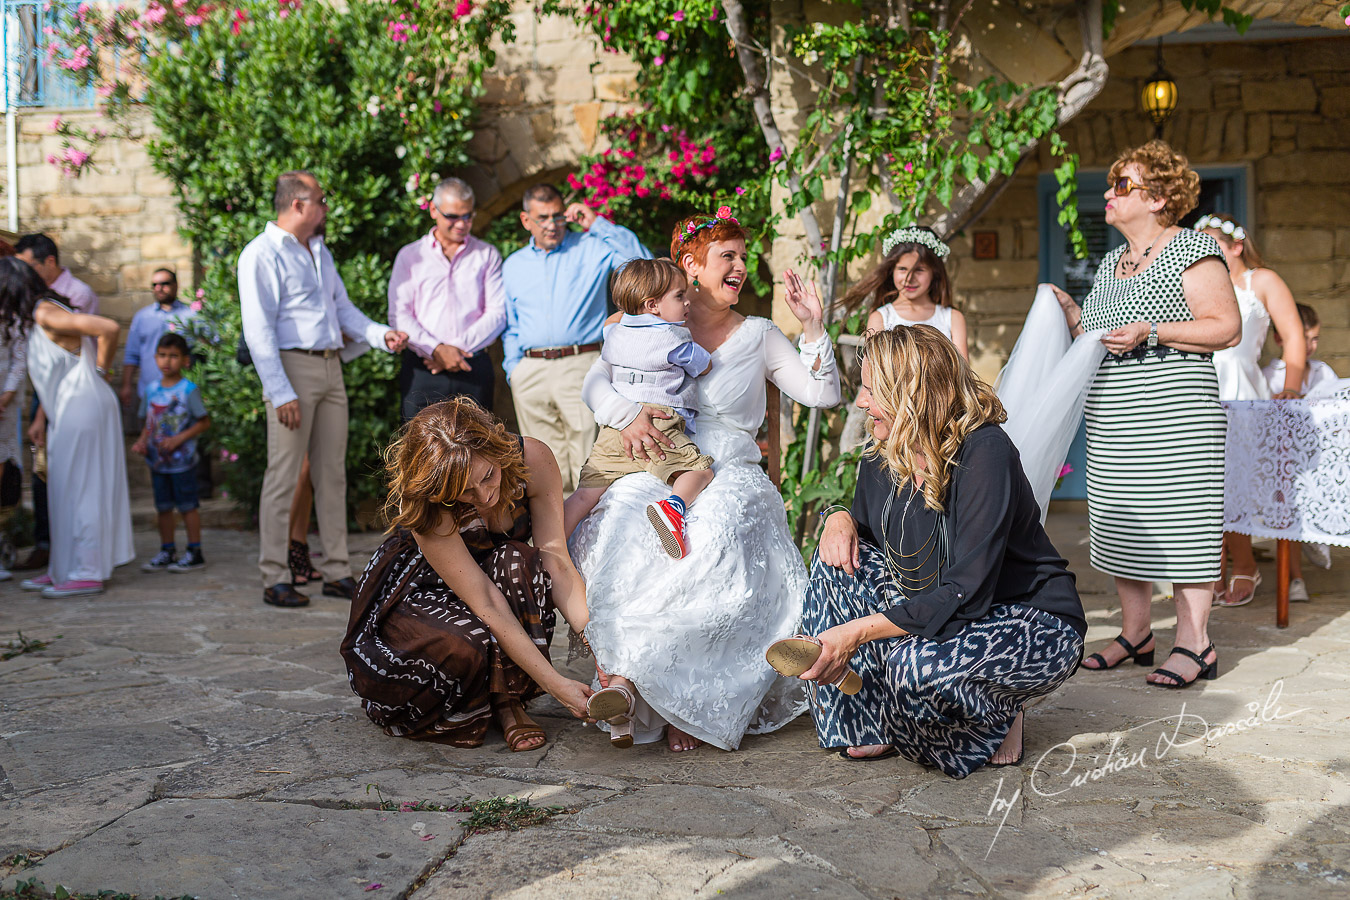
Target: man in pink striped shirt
{"x": 446, "y": 293}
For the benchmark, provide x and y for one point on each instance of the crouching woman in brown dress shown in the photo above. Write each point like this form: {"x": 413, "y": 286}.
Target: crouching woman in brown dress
{"x": 452, "y": 619}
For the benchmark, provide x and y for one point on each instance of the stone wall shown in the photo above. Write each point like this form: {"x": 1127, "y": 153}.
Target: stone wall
{"x": 1280, "y": 109}
{"x": 113, "y": 225}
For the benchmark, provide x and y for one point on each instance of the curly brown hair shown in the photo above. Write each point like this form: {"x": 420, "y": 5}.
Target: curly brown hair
{"x": 1166, "y": 174}
{"x": 698, "y": 243}
{"x": 935, "y": 399}
{"x": 428, "y": 465}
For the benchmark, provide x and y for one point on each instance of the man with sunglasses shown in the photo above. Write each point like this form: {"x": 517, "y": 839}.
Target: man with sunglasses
{"x": 297, "y": 318}
{"x": 446, "y": 293}
{"x": 139, "y": 372}
{"x": 557, "y": 296}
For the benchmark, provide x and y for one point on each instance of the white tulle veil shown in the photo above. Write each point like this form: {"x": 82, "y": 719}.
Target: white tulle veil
{"x": 1044, "y": 387}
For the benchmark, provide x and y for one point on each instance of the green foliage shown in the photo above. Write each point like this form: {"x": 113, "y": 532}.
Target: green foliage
{"x": 33, "y": 889}
{"x": 809, "y": 496}
{"x": 1066, "y": 195}
{"x": 22, "y": 645}
{"x": 1231, "y": 17}
{"x": 375, "y": 98}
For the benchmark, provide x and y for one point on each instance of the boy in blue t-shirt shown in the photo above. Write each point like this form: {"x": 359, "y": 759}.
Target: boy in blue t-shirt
{"x": 174, "y": 417}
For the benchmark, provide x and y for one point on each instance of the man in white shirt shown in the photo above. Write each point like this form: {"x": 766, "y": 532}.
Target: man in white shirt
{"x": 296, "y": 312}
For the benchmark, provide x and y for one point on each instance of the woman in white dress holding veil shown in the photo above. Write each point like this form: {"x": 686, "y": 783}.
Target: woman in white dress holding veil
{"x": 689, "y": 635}
{"x": 80, "y": 424}
{"x": 1264, "y": 299}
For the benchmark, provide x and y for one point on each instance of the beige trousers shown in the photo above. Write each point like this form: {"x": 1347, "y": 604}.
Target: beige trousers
{"x": 549, "y": 408}
{"x": 322, "y": 434}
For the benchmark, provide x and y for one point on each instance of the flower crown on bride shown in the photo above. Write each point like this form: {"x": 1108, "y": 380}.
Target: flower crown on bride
{"x": 915, "y": 235}
{"x": 723, "y": 215}
{"x": 1231, "y": 229}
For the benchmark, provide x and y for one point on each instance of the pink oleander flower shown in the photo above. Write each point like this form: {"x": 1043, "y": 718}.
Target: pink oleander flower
{"x": 660, "y": 61}
{"x": 240, "y": 19}
{"x": 201, "y": 292}
{"x": 776, "y": 155}
{"x": 105, "y": 90}
{"x": 80, "y": 59}
{"x": 462, "y": 9}
{"x": 678, "y": 16}
{"x": 192, "y": 21}
{"x": 909, "y": 167}
{"x": 740, "y": 190}
{"x": 195, "y": 306}
{"x": 56, "y": 124}
{"x": 153, "y": 15}
{"x": 663, "y": 35}
{"x": 75, "y": 156}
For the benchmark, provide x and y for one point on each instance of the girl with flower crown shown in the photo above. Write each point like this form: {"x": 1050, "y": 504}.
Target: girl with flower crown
{"x": 910, "y": 286}
{"x": 1264, "y": 300}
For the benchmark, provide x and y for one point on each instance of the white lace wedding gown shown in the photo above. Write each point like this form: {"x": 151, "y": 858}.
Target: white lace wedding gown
{"x": 691, "y": 633}
{"x": 86, "y": 462}
{"x": 1239, "y": 368}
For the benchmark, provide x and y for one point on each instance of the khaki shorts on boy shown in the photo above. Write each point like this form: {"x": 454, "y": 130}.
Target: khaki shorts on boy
{"x": 608, "y": 463}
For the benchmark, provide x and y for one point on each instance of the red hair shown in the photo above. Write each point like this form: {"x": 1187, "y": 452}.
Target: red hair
{"x": 697, "y": 244}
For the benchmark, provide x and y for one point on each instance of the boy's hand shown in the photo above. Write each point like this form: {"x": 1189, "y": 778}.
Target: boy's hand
{"x": 141, "y": 447}
{"x": 707, "y": 370}
{"x": 170, "y": 443}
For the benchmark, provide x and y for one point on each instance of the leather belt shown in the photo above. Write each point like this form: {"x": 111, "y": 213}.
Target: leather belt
{"x": 562, "y": 352}
{"x": 323, "y": 354}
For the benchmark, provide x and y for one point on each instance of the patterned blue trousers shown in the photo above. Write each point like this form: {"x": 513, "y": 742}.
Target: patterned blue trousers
{"x": 946, "y": 705}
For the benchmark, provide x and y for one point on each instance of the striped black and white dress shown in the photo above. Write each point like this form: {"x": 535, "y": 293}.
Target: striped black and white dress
{"x": 1155, "y": 430}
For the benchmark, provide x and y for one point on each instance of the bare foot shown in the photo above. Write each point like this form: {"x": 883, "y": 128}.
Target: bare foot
{"x": 679, "y": 741}
{"x": 865, "y": 751}
{"x": 1010, "y": 751}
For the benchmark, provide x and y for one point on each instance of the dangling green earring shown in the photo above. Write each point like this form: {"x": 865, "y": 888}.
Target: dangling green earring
{"x": 695, "y": 281}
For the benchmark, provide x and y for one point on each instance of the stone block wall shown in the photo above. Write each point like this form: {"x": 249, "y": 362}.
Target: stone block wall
{"x": 114, "y": 225}
{"x": 1281, "y": 109}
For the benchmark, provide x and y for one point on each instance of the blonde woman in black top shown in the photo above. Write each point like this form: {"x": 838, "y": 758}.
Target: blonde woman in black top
{"x": 939, "y": 586}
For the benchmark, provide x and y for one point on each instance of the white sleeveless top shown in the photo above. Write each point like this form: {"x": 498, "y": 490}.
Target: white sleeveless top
{"x": 941, "y": 319}
{"x": 1238, "y": 368}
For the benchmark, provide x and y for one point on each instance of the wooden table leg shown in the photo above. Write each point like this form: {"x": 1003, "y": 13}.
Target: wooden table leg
{"x": 1283, "y": 551}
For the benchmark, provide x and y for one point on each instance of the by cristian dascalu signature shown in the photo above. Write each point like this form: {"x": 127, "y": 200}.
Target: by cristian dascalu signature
{"x": 1181, "y": 730}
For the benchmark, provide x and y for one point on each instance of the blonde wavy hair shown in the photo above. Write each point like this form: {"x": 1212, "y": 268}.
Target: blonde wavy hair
{"x": 428, "y": 465}
{"x": 935, "y": 399}
{"x": 1167, "y": 175}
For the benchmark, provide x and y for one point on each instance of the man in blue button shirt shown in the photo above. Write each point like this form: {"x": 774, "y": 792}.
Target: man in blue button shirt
{"x": 139, "y": 372}
{"x": 557, "y": 289}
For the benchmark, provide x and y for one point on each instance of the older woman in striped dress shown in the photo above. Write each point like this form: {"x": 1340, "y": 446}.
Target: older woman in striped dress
{"x": 1155, "y": 430}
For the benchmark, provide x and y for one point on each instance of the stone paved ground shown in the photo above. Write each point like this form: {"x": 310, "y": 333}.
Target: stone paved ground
{"x": 180, "y": 737}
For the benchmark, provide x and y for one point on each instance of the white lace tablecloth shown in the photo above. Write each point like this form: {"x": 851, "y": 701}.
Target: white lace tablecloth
{"x": 1288, "y": 469}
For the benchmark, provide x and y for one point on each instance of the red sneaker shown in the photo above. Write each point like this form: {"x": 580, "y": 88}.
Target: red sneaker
{"x": 669, "y": 524}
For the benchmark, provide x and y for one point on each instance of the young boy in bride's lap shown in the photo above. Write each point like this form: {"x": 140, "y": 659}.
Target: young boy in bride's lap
{"x": 654, "y": 361}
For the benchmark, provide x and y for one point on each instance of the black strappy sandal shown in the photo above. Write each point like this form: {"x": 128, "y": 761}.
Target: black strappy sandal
{"x": 302, "y": 569}
{"x": 1208, "y": 671}
{"x": 1131, "y": 652}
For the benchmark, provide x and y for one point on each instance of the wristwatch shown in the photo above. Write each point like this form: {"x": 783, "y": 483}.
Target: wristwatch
{"x": 1152, "y": 335}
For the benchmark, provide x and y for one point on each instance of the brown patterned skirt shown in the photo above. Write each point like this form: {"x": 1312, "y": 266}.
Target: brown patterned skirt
{"x": 424, "y": 666}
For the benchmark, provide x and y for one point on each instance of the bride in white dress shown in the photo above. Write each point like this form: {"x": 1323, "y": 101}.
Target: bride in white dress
{"x": 1264, "y": 299}
{"x": 86, "y": 457}
{"x": 690, "y": 634}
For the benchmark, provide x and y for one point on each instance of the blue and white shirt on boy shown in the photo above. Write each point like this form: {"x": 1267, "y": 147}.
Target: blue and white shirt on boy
{"x": 655, "y": 361}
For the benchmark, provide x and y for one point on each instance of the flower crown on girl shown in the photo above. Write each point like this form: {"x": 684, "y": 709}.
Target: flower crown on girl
{"x": 1230, "y": 229}
{"x": 915, "y": 235}
{"x": 723, "y": 215}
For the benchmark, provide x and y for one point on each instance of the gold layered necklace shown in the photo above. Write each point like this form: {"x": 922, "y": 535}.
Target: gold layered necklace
{"x": 895, "y": 559}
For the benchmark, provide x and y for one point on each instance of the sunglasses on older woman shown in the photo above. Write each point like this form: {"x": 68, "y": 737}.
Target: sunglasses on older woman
{"x": 1124, "y": 184}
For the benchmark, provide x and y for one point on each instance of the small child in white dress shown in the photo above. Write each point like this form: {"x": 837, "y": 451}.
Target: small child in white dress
{"x": 1318, "y": 373}
{"x": 910, "y": 286}
{"x": 654, "y": 361}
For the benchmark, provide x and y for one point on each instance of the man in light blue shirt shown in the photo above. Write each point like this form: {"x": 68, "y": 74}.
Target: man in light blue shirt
{"x": 557, "y": 289}
{"x": 148, "y": 325}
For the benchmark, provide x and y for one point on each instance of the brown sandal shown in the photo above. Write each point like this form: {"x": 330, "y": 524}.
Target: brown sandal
{"x": 521, "y": 729}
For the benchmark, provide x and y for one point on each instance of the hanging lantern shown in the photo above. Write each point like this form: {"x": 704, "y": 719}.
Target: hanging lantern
{"x": 1160, "y": 95}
